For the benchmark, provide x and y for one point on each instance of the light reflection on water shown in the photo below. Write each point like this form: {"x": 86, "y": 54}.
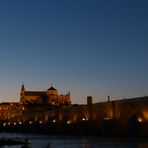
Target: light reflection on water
{"x": 48, "y": 141}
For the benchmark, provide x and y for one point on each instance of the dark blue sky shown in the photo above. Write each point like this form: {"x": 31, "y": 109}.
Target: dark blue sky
{"x": 96, "y": 48}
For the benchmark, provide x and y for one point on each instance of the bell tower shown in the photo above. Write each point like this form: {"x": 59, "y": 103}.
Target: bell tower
{"x": 22, "y": 93}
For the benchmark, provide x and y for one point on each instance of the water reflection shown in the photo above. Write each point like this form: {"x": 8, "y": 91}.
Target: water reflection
{"x": 46, "y": 141}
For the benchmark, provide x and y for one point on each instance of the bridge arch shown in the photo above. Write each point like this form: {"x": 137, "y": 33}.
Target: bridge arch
{"x": 101, "y": 112}
{"x": 127, "y": 111}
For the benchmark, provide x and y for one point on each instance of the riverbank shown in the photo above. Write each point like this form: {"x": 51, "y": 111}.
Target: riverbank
{"x": 109, "y": 128}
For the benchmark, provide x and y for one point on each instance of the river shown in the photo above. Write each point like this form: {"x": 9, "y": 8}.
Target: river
{"x": 61, "y": 141}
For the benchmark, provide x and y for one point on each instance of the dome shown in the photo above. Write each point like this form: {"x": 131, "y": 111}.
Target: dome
{"x": 51, "y": 88}
{"x": 52, "y": 91}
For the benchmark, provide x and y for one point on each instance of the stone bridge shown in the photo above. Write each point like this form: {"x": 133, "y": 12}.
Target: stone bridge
{"x": 111, "y": 118}
{"x": 121, "y": 110}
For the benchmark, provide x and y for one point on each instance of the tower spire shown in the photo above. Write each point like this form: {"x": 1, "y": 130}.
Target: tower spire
{"x": 23, "y": 87}
{"x": 51, "y": 84}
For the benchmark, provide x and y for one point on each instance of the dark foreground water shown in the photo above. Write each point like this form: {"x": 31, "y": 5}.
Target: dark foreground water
{"x": 46, "y": 141}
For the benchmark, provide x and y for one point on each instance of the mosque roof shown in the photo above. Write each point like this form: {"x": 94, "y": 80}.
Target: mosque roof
{"x": 34, "y": 93}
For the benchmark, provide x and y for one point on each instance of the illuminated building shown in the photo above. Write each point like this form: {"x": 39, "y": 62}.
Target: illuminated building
{"x": 50, "y": 96}
{"x": 51, "y": 110}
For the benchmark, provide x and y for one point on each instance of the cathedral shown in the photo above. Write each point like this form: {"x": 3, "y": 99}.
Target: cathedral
{"x": 50, "y": 96}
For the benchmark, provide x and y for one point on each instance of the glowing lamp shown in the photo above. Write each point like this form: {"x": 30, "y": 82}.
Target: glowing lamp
{"x": 4, "y": 124}
{"x": 20, "y": 122}
{"x": 83, "y": 119}
{"x": 40, "y": 122}
{"x": 53, "y": 121}
{"x": 140, "y": 120}
{"x": 68, "y": 122}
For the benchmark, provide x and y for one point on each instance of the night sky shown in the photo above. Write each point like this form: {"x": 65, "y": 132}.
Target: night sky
{"x": 89, "y": 47}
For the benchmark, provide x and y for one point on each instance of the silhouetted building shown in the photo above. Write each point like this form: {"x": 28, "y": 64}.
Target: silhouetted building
{"x": 89, "y": 101}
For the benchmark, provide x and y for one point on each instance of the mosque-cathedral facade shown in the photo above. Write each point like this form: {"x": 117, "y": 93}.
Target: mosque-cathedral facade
{"x": 50, "y": 112}
{"x": 50, "y": 96}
